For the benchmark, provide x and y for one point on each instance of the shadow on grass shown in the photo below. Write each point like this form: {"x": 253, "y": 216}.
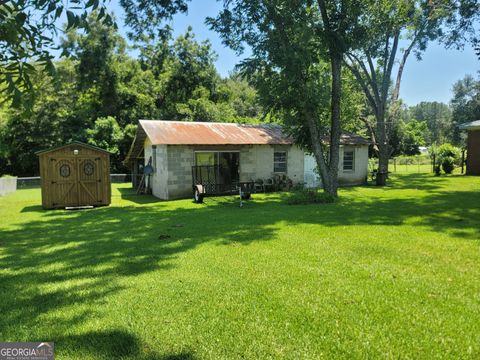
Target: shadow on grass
{"x": 113, "y": 344}
{"x": 130, "y": 194}
{"x": 420, "y": 181}
{"x": 65, "y": 259}
{"x": 33, "y": 208}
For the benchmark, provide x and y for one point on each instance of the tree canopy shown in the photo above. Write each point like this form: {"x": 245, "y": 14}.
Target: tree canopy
{"x": 389, "y": 24}
{"x": 296, "y": 65}
{"x": 99, "y": 93}
{"x": 28, "y": 29}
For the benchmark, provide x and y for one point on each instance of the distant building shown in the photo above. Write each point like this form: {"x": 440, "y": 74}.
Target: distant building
{"x": 423, "y": 149}
{"x": 473, "y": 146}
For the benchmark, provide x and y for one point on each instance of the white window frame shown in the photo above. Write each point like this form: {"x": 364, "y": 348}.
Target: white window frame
{"x": 353, "y": 160}
{"x": 286, "y": 162}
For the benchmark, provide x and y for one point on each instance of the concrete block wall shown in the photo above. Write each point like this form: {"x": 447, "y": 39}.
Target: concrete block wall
{"x": 160, "y": 176}
{"x": 180, "y": 162}
{"x": 360, "y": 172}
{"x": 295, "y": 164}
{"x": 248, "y": 163}
{"x": 263, "y": 161}
{"x": 256, "y": 162}
{"x": 173, "y": 168}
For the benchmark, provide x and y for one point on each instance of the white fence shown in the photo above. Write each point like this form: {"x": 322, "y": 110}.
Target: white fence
{"x": 34, "y": 181}
{"x": 7, "y": 185}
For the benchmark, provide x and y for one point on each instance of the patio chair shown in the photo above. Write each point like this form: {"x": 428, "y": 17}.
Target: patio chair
{"x": 269, "y": 185}
{"x": 259, "y": 185}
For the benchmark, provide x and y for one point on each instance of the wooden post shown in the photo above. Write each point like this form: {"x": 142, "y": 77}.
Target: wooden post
{"x": 395, "y": 165}
{"x": 463, "y": 159}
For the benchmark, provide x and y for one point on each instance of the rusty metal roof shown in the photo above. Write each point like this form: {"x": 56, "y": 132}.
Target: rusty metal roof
{"x": 161, "y": 132}
{"x": 353, "y": 139}
{"x": 208, "y": 133}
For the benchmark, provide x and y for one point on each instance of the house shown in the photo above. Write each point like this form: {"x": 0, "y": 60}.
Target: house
{"x": 473, "y": 146}
{"x": 247, "y": 152}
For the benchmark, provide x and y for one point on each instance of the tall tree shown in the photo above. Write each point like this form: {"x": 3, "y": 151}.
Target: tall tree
{"x": 189, "y": 66}
{"x": 438, "y": 117}
{"x": 28, "y": 29}
{"x": 297, "y": 48}
{"x": 48, "y": 123}
{"x": 465, "y": 105}
{"x": 96, "y": 54}
{"x": 391, "y": 24}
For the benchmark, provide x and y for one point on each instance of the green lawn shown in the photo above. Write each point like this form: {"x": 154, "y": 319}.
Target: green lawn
{"x": 388, "y": 272}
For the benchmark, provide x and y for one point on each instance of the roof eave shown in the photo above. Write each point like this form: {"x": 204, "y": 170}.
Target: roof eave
{"x": 73, "y": 143}
{"x": 473, "y": 125}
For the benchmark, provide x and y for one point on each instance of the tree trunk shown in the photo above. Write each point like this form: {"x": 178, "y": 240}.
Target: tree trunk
{"x": 335, "y": 126}
{"x": 318, "y": 153}
{"x": 383, "y": 157}
{"x": 383, "y": 147}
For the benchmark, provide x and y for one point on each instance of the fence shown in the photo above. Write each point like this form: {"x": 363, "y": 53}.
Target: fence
{"x": 412, "y": 164}
{"x": 34, "y": 181}
{"x": 406, "y": 164}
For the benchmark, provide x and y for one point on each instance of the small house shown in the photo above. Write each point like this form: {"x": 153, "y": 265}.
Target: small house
{"x": 244, "y": 152}
{"x": 75, "y": 175}
{"x": 473, "y": 147}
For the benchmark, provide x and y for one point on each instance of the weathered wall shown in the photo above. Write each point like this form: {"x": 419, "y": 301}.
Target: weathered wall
{"x": 173, "y": 178}
{"x": 345, "y": 177}
{"x": 173, "y": 175}
{"x": 473, "y": 152}
{"x": 160, "y": 174}
{"x": 256, "y": 162}
{"x": 360, "y": 172}
{"x": 295, "y": 164}
{"x": 180, "y": 159}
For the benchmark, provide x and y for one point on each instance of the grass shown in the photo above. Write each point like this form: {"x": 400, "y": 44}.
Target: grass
{"x": 389, "y": 272}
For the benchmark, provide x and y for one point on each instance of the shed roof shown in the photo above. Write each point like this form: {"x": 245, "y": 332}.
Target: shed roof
{"x": 78, "y": 143}
{"x": 161, "y": 132}
{"x": 474, "y": 125}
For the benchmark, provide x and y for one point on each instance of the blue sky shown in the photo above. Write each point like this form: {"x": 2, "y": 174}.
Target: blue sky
{"x": 428, "y": 80}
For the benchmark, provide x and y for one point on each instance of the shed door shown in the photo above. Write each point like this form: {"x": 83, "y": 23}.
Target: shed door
{"x": 64, "y": 182}
{"x": 89, "y": 181}
{"x": 76, "y": 181}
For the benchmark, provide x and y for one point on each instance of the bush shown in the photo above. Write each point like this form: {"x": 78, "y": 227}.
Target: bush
{"x": 309, "y": 196}
{"x": 447, "y": 156}
{"x": 448, "y": 164}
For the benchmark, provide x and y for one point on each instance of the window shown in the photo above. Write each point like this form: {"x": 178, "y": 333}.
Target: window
{"x": 348, "y": 160}
{"x": 280, "y": 162}
{"x": 221, "y": 167}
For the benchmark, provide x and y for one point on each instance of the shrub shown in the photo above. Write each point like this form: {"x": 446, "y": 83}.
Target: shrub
{"x": 447, "y": 156}
{"x": 448, "y": 164}
{"x": 309, "y": 196}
